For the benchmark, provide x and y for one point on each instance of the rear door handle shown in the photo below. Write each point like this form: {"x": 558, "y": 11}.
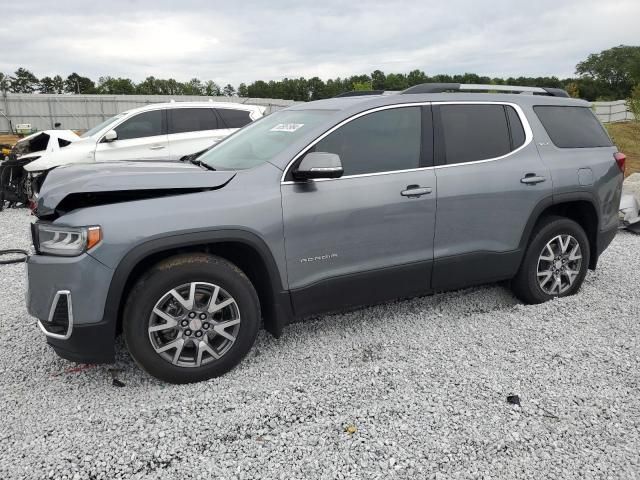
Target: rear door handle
{"x": 156, "y": 147}
{"x": 532, "y": 179}
{"x": 415, "y": 191}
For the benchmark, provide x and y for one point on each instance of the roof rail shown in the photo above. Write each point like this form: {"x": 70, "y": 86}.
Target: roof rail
{"x": 458, "y": 87}
{"x": 359, "y": 93}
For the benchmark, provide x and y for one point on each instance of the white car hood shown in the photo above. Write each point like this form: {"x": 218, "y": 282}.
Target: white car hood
{"x": 82, "y": 150}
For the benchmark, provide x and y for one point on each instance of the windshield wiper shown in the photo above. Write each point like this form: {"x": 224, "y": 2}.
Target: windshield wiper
{"x": 202, "y": 164}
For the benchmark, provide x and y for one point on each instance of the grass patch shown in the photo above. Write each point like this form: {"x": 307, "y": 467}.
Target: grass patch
{"x": 626, "y": 136}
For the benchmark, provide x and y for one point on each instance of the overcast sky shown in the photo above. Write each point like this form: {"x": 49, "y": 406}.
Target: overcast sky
{"x": 245, "y": 40}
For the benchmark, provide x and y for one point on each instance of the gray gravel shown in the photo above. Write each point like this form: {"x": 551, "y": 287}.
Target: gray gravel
{"x": 414, "y": 389}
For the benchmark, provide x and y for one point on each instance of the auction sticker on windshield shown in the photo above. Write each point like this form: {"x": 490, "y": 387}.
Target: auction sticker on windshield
{"x": 287, "y": 127}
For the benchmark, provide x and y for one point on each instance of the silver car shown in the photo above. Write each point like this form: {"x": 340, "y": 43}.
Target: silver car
{"x": 320, "y": 207}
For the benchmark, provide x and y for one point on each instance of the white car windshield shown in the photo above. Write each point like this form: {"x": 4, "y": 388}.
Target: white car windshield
{"x": 260, "y": 141}
{"x": 102, "y": 125}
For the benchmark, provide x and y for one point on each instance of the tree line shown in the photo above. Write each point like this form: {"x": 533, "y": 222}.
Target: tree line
{"x": 608, "y": 75}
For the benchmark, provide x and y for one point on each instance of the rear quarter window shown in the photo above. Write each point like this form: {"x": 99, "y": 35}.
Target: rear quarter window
{"x": 572, "y": 127}
{"x": 234, "y": 118}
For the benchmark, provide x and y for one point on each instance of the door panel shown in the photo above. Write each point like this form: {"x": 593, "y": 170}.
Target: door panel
{"x": 147, "y": 148}
{"x": 483, "y": 209}
{"x": 345, "y": 226}
{"x": 140, "y": 137}
{"x": 366, "y": 237}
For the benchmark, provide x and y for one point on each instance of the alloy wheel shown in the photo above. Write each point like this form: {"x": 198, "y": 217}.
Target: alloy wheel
{"x": 559, "y": 264}
{"x": 194, "y": 324}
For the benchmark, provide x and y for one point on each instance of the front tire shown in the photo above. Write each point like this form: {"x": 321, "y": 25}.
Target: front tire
{"x": 190, "y": 318}
{"x": 555, "y": 263}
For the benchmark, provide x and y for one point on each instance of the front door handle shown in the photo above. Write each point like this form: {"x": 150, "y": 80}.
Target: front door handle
{"x": 532, "y": 179}
{"x": 156, "y": 147}
{"x": 414, "y": 191}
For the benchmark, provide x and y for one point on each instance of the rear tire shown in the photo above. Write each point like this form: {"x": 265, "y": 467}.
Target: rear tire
{"x": 555, "y": 262}
{"x": 190, "y": 318}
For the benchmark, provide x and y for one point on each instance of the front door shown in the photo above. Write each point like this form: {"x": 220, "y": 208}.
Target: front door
{"x": 141, "y": 137}
{"x": 365, "y": 237}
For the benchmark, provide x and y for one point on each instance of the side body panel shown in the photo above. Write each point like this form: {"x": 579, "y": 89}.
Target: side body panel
{"x": 588, "y": 173}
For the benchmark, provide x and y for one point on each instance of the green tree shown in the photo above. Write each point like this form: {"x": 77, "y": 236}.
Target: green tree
{"x": 149, "y": 86}
{"x": 212, "y": 89}
{"x": 228, "y": 90}
{"x": 316, "y": 88}
{"x": 78, "y": 84}
{"x": 378, "y": 80}
{"x": 193, "y": 87}
{"x": 617, "y": 68}
{"x": 396, "y": 81}
{"x": 416, "y": 77}
{"x": 23, "y": 81}
{"x": 243, "y": 91}
{"x": 362, "y": 86}
{"x": 4, "y": 82}
{"x": 116, "y": 86}
{"x": 634, "y": 102}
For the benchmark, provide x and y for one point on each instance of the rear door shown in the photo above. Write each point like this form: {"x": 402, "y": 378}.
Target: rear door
{"x": 192, "y": 130}
{"x": 140, "y": 137}
{"x": 490, "y": 180}
{"x": 364, "y": 238}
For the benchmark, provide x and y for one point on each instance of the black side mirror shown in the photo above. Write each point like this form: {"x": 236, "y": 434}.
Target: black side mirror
{"x": 319, "y": 165}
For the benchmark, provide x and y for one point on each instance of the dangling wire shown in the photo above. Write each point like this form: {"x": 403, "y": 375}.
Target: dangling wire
{"x": 14, "y": 251}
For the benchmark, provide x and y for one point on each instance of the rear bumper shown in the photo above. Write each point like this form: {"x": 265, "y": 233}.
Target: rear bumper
{"x": 605, "y": 237}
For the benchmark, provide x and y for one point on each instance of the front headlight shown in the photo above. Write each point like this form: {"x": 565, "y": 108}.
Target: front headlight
{"x": 65, "y": 241}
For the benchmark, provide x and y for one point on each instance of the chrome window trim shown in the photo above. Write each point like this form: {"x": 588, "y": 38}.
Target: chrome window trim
{"x": 52, "y": 310}
{"x": 523, "y": 119}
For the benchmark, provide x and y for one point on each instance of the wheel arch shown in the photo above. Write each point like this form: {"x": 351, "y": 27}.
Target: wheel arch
{"x": 245, "y": 249}
{"x": 581, "y": 207}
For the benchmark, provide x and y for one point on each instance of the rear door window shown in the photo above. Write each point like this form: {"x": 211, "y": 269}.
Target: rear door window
{"x": 474, "y": 132}
{"x": 146, "y": 124}
{"x": 572, "y": 127}
{"x": 182, "y": 120}
{"x": 234, "y": 118}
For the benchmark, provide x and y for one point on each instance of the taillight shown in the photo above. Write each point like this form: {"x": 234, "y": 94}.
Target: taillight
{"x": 620, "y": 160}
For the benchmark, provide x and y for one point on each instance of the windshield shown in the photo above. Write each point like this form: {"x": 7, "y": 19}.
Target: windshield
{"x": 100, "y": 126}
{"x": 260, "y": 141}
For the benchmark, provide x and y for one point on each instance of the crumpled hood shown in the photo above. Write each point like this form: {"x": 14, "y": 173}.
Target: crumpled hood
{"x": 76, "y": 186}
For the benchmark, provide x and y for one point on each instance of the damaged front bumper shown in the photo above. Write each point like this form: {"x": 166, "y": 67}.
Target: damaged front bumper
{"x": 68, "y": 295}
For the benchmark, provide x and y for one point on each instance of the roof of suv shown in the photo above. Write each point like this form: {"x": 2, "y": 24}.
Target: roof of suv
{"x": 364, "y": 102}
{"x": 235, "y": 106}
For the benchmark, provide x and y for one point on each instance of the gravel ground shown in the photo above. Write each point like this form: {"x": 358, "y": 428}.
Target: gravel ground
{"x": 414, "y": 389}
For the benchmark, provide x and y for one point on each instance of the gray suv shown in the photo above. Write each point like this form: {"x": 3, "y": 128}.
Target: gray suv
{"x": 321, "y": 207}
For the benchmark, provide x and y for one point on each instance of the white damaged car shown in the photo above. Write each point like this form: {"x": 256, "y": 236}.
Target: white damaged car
{"x": 161, "y": 131}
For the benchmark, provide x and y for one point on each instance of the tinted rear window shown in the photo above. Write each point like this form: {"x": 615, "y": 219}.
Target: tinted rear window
{"x": 517, "y": 130}
{"x": 474, "y": 132}
{"x": 234, "y": 118}
{"x": 572, "y": 127}
{"x": 183, "y": 120}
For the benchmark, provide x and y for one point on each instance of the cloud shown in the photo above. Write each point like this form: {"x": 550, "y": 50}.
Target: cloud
{"x": 233, "y": 42}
